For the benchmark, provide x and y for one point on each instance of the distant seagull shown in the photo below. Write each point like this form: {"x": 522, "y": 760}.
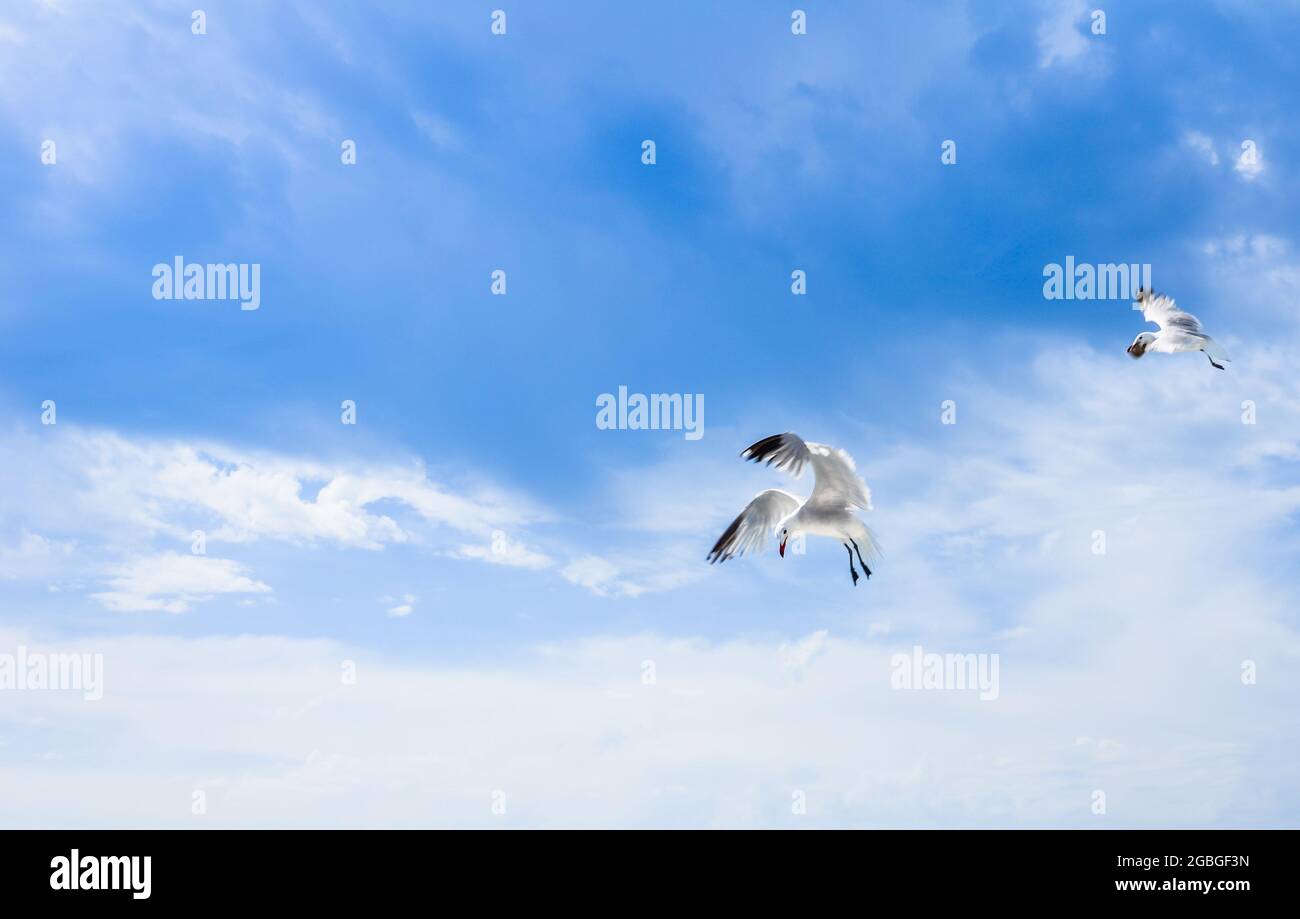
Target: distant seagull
{"x": 1179, "y": 331}
{"x": 829, "y": 511}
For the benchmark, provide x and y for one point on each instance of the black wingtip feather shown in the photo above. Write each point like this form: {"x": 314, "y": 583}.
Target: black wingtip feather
{"x": 765, "y": 449}
{"x": 723, "y": 548}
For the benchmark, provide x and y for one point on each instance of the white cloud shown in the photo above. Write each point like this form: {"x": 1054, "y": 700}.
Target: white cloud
{"x": 1061, "y": 39}
{"x": 94, "y": 126}
{"x": 1203, "y": 145}
{"x": 599, "y": 576}
{"x": 400, "y": 606}
{"x": 664, "y": 568}
{"x": 1257, "y": 246}
{"x": 439, "y": 130}
{"x": 1255, "y": 274}
{"x": 797, "y": 655}
{"x": 126, "y": 497}
{"x": 264, "y": 726}
{"x": 33, "y": 557}
{"x": 172, "y": 487}
{"x": 173, "y": 583}
{"x": 503, "y": 551}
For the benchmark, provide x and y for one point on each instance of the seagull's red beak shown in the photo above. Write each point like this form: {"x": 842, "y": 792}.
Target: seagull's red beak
{"x": 783, "y": 539}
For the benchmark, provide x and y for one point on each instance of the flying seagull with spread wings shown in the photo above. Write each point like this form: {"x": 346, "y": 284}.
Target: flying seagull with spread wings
{"x": 1179, "y": 331}
{"x": 831, "y": 510}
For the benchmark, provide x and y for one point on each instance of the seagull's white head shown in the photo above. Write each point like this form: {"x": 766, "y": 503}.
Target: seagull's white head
{"x": 785, "y": 529}
{"x": 1140, "y": 344}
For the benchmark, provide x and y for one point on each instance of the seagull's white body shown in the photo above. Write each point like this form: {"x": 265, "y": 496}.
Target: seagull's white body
{"x": 1179, "y": 331}
{"x": 831, "y": 510}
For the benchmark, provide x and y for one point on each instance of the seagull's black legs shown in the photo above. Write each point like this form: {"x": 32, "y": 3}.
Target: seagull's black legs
{"x": 1207, "y": 354}
{"x": 865, "y": 569}
{"x": 853, "y": 571}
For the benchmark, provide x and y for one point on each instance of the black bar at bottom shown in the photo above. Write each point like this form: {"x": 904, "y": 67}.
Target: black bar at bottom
{"x": 334, "y": 868}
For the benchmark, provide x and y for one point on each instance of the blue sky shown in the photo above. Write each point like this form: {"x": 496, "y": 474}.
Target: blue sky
{"x": 522, "y": 670}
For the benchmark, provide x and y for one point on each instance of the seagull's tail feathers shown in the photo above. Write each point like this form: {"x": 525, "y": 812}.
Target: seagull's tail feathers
{"x": 1215, "y": 352}
{"x": 867, "y": 542}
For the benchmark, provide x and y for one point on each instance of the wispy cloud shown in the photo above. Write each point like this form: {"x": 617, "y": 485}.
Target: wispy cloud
{"x": 172, "y": 487}
{"x": 504, "y": 551}
{"x": 400, "y": 606}
{"x": 287, "y": 743}
{"x": 1203, "y": 145}
{"x": 33, "y": 556}
{"x": 174, "y": 583}
{"x": 1062, "y": 37}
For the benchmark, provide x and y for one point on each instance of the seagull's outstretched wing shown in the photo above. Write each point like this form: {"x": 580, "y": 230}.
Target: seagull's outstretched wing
{"x": 749, "y": 530}
{"x": 838, "y": 482}
{"x": 1164, "y": 312}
